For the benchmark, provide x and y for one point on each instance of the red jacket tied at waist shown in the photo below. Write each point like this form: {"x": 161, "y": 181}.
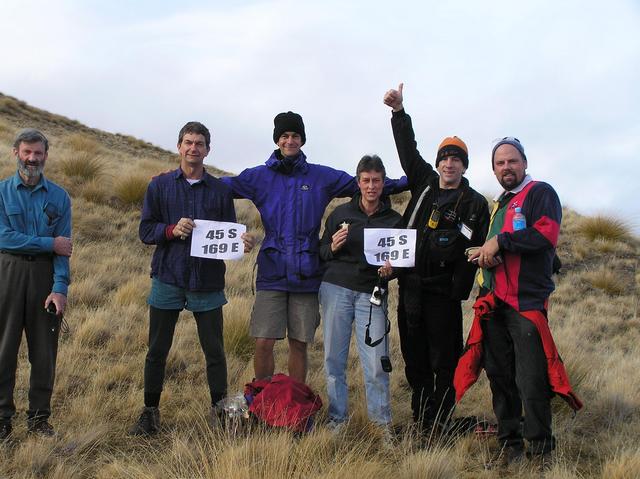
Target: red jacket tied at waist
{"x": 470, "y": 363}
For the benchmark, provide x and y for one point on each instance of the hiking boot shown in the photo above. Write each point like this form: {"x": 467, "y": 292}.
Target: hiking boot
{"x": 217, "y": 417}
{"x": 40, "y": 426}
{"x": 514, "y": 456}
{"x": 148, "y": 423}
{"x": 5, "y": 429}
{"x": 507, "y": 457}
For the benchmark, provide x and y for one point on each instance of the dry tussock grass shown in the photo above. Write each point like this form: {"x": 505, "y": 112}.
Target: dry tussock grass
{"x": 9, "y": 105}
{"x": 7, "y": 132}
{"x": 625, "y": 465}
{"x": 130, "y": 190}
{"x": 81, "y": 143}
{"x": 99, "y": 383}
{"x": 606, "y": 280}
{"x": 603, "y": 228}
{"x": 82, "y": 166}
{"x": 94, "y": 191}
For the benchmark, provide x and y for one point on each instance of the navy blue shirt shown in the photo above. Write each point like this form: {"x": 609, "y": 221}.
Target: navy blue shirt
{"x": 31, "y": 217}
{"x": 170, "y": 197}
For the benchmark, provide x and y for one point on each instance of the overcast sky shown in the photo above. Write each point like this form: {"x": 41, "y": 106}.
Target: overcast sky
{"x": 562, "y": 76}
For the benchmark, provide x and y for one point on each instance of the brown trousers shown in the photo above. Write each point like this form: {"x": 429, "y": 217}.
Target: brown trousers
{"x": 25, "y": 283}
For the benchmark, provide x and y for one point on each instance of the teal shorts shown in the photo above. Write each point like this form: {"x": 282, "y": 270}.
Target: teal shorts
{"x": 166, "y": 296}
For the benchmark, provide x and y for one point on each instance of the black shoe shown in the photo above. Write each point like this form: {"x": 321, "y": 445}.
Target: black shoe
{"x": 5, "y": 429}
{"x": 507, "y": 457}
{"x": 217, "y": 417}
{"x": 40, "y": 426}
{"x": 148, "y": 423}
{"x": 514, "y": 456}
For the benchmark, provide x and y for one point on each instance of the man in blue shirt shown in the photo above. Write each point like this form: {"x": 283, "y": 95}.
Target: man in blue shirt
{"x": 35, "y": 245}
{"x": 179, "y": 281}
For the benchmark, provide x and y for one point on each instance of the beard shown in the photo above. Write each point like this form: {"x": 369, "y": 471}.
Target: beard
{"x": 511, "y": 183}
{"x": 29, "y": 171}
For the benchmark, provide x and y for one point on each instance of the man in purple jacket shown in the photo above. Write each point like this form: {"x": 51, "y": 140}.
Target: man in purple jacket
{"x": 291, "y": 196}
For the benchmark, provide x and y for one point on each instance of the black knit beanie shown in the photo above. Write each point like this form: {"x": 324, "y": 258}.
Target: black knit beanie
{"x": 288, "y": 121}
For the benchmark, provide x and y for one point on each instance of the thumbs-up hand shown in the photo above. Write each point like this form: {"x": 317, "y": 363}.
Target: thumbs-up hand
{"x": 393, "y": 98}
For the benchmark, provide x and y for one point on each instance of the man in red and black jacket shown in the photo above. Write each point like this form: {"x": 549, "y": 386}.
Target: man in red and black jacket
{"x": 517, "y": 268}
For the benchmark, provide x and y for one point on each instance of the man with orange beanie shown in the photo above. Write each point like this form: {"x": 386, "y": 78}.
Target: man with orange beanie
{"x": 449, "y": 217}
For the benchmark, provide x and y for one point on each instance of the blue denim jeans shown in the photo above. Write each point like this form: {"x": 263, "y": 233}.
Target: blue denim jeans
{"x": 341, "y": 307}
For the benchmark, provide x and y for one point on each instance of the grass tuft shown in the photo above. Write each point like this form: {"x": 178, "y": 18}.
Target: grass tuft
{"x": 435, "y": 463}
{"x": 130, "y": 190}
{"x": 603, "y": 228}
{"x": 6, "y": 131}
{"x": 82, "y": 165}
{"x": 626, "y": 465}
{"x": 94, "y": 191}
{"x": 79, "y": 142}
{"x": 606, "y": 280}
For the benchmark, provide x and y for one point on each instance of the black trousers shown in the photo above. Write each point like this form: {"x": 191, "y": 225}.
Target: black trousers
{"x": 516, "y": 366}
{"x": 431, "y": 345}
{"x": 24, "y": 286}
{"x": 162, "y": 323}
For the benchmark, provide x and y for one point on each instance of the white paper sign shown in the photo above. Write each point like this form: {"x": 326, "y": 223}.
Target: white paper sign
{"x": 396, "y": 245}
{"x": 217, "y": 240}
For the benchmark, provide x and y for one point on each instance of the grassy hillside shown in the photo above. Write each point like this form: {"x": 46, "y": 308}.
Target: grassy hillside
{"x": 98, "y": 393}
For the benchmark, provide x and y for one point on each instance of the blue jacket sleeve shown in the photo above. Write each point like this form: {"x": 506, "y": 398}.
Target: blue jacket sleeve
{"x": 346, "y": 185}
{"x": 343, "y": 185}
{"x": 152, "y": 228}
{"x": 393, "y": 186}
{"x": 61, "y": 275}
{"x": 242, "y": 186}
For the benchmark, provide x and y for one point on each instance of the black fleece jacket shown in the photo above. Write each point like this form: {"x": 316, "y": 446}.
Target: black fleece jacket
{"x": 440, "y": 260}
{"x": 347, "y": 267}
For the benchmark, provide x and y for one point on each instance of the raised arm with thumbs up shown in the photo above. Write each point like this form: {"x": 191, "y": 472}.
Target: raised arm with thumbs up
{"x": 393, "y": 98}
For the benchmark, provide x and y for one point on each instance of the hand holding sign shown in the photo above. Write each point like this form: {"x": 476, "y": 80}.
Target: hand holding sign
{"x": 397, "y": 246}
{"x": 249, "y": 242}
{"x": 218, "y": 240}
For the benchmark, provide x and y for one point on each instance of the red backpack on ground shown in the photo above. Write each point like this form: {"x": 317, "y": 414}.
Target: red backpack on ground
{"x": 282, "y": 401}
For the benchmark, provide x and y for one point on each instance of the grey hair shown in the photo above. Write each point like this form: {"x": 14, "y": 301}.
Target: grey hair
{"x": 31, "y": 135}
{"x": 370, "y": 163}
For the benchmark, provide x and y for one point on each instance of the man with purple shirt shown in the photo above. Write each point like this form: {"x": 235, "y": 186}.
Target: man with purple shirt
{"x": 179, "y": 281}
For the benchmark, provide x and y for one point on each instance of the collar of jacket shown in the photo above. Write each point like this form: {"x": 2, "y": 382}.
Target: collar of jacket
{"x": 207, "y": 179}
{"x": 42, "y": 183}
{"x": 301, "y": 164}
